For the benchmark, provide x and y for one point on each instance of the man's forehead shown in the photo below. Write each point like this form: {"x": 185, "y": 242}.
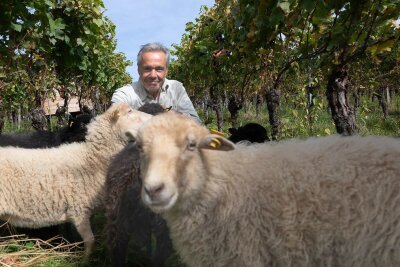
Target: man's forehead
{"x": 154, "y": 55}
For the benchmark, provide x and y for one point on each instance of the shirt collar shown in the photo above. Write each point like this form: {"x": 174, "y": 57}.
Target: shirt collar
{"x": 165, "y": 86}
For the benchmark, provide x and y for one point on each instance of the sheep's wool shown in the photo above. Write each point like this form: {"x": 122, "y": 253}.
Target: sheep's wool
{"x": 331, "y": 201}
{"x": 42, "y": 187}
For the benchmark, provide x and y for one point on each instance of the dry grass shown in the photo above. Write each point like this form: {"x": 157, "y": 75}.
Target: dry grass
{"x": 20, "y": 251}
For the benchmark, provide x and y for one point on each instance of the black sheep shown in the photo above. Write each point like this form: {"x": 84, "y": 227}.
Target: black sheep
{"x": 126, "y": 216}
{"x": 253, "y": 132}
{"x": 75, "y": 131}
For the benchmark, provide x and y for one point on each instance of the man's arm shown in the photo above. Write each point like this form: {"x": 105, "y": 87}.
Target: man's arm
{"x": 120, "y": 95}
{"x": 125, "y": 94}
{"x": 184, "y": 104}
{"x": 186, "y": 107}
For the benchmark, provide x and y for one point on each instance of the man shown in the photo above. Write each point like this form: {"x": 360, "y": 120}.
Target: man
{"x": 153, "y": 60}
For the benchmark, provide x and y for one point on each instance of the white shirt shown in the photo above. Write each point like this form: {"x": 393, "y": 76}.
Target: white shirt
{"x": 172, "y": 94}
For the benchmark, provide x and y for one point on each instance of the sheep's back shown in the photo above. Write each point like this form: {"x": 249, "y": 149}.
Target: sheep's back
{"x": 317, "y": 202}
{"x": 54, "y": 182}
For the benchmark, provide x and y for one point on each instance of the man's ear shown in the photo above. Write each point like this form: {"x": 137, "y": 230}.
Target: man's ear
{"x": 216, "y": 142}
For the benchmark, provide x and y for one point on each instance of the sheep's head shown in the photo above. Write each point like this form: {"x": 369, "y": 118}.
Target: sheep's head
{"x": 125, "y": 119}
{"x": 170, "y": 147}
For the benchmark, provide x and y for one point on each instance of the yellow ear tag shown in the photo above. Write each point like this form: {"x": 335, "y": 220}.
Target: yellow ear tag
{"x": 217, "y": 132}
{"x": 214, "y": 143}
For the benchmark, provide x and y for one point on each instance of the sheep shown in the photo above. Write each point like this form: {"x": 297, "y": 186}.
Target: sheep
{"x": 328, "y": 201}
{"x": 252, "y": 132}
{"x": 126, "y": 216}
{"x": 49, "y": 186}
{"x": 74, "y": 132}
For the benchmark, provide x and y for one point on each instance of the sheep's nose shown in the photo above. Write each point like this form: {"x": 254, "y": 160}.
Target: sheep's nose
{"x": 154, "y": 191}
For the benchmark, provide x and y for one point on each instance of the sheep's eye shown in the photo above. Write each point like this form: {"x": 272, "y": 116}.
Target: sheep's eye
{"x": 191, "y": 145}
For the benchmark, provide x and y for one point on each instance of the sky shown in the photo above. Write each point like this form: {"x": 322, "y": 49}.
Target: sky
{"x": 144, "y": 21}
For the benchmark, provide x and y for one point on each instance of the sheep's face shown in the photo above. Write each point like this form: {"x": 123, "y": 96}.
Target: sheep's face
{"x": 170, "y": 146}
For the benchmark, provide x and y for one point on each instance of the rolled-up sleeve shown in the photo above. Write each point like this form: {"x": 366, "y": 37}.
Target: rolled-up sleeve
{"x": 126, "y": 94}
{"x": 120, "y": 95}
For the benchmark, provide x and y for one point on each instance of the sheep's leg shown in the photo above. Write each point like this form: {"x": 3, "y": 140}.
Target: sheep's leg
{"x": 119, "y": 249}
{"x": 83, "y": 227}
{"x": 118, "y": 236}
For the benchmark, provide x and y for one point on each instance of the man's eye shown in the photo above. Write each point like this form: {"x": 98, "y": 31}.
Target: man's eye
{"x": 159, "y": 69}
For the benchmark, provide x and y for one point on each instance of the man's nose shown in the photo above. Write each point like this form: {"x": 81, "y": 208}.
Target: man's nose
{"x": 153, "y": 73}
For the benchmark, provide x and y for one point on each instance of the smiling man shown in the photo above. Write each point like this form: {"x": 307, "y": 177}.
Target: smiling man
{"x": 153, "y": 86}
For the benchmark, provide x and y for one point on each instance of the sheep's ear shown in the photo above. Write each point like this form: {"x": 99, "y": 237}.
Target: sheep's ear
{"x": 216, "y": 142}
{"x": 115, "y": 115}
{"x": 131, "y": 134}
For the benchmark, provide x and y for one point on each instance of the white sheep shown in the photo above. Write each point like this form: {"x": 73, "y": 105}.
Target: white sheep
{"x": 43, "y": 187}
{"x": 331, "y": 201}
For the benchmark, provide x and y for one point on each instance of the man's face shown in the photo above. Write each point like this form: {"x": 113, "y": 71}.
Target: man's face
{"x": 153, "y": 71}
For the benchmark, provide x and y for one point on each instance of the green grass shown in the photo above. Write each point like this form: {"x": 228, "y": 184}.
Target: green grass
{"x": 25, "y": 125}
{"x": 295, "y": 119}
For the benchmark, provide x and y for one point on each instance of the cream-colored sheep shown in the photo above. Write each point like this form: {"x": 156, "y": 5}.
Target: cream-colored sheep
{"x": 42, "y": 187}
{"x": 331, "y": 201}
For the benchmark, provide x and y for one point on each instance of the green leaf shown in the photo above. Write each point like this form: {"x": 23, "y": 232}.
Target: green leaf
{"x": 59, "y": 24}
{"x": 285, "y": 6}
{"x": 98, "y": 22}
{"x": 86, "y": 30}
{"x": 308, "y": 4}
{"x": 80, "y": 42}
{"x": 67, "y": 39}
{"x": 16, "y": 27}
{"x": 189, "y": 26}
{"x": 51, "y": 23}
{"x": 276, "y": 17}
{"x": 49, "y": 3}
{"x": 97, "y": 11}
{"x": 385, "y": 46}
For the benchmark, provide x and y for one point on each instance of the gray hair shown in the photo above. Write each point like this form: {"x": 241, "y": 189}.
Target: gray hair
{"x": 152, "y": 47}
